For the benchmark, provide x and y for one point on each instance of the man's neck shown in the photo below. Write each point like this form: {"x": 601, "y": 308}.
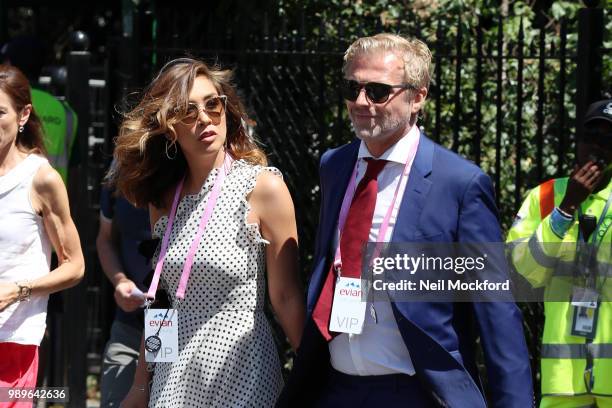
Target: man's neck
{"x": 378, "y": 147}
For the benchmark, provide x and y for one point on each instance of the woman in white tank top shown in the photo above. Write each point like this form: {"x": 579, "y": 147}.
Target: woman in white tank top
{"x": 34, "y": 217}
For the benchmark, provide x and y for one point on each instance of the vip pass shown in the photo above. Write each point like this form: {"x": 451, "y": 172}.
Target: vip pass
{"x": 161, "y": 335}
{"x": 51, "y": 394}
{"x": 413, "y": 264}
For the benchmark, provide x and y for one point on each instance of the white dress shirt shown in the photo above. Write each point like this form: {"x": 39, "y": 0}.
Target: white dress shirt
{"x": 379, "y": 349}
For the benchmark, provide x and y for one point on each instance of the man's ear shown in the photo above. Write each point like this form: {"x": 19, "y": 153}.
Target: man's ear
{"x": 418, "y": 100}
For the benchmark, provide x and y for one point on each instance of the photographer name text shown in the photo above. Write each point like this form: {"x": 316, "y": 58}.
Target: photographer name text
{"x": 441, "y": 285}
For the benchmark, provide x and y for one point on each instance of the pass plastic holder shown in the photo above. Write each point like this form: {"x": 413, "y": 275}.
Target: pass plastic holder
{"x": 584, "y": 322}
{"x": 161, "y": 335}
{"x": 348, "y": 311}
{"x": 584, "y": 297}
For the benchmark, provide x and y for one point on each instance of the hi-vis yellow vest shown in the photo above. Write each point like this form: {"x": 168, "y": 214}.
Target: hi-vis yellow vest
{"x": 59, "y": 126}
{"x": 542, "y": 258}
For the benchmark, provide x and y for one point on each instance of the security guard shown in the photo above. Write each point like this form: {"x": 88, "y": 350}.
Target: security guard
{"x": 561, "y": 240}
{"x": 59, "y": 125}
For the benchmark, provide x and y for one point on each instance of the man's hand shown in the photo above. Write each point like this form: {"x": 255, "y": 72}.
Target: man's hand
{"x": 581, "y": 183}
{"x": 9, "y": 293}
{"x": 124, "y": 298}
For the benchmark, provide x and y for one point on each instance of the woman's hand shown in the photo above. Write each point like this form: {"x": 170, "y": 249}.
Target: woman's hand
{"x": 137, "y": 397}
{"x": 9, "y": 293}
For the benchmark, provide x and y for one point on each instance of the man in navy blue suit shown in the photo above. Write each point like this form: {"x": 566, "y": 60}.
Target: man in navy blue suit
{"x": 396, "y": 185}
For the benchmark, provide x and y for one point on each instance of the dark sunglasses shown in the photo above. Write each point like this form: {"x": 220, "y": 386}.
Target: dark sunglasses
{"x": 375, "y": 91}
{"x": 213, "y": 107}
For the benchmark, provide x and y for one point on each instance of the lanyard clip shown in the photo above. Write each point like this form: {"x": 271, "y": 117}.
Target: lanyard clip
{"x": 338, "y": 270}
{"x": 177, "y": 302}
{"x": 589, "y": 379}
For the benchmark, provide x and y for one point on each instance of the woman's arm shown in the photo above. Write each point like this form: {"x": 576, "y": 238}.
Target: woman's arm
{"x": 50, "y": 199}
{"x": 272, "y": 206}
{"x": 138, "y": 396}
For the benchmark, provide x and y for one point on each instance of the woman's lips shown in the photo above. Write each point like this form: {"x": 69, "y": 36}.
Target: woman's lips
{"x": 207, "y": 135}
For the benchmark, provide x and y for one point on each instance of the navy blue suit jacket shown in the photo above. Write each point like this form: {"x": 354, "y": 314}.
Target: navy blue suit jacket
{"x": 447, "y": 199}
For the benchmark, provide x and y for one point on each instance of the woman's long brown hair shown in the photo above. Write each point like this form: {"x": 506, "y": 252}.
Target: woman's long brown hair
{"x": 144, "y": 172}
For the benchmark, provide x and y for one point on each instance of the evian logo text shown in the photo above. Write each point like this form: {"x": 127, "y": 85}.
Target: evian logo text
{"x": 351, "y": 289}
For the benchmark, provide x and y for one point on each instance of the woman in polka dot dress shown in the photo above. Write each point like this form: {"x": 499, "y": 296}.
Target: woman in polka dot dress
{"x": 190, "y": 126}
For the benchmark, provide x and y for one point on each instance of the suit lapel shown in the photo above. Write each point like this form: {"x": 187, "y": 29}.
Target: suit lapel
{"x": 415, "y": 195}
{"x": 336, "y": 172}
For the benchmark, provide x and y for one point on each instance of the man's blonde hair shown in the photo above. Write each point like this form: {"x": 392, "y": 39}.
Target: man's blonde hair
{"x": 415, "y": 54}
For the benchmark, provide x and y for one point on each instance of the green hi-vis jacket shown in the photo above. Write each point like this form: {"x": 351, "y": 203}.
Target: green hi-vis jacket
{"x": 59, "y": 127}
{"x": 570, "y": 365}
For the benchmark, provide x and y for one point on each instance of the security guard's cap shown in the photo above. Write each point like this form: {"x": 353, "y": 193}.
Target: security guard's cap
{"x": 600, "y": 110}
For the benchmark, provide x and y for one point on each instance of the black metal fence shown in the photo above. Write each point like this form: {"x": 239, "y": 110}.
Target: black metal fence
{"x": 509, "y": 102}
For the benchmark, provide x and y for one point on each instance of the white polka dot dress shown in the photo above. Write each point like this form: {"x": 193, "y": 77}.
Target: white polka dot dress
{"x": 227, "y": 355}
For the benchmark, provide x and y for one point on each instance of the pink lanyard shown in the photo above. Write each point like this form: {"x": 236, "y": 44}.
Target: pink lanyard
{"x": 348, "y": 198}
{"x": 210, "y": 205}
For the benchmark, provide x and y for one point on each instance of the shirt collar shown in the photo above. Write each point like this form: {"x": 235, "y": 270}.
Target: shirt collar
{"x": 397, "y": 152}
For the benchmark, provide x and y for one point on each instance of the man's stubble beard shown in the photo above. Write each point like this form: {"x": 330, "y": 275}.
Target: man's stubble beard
{"x": 380, "y": 131}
